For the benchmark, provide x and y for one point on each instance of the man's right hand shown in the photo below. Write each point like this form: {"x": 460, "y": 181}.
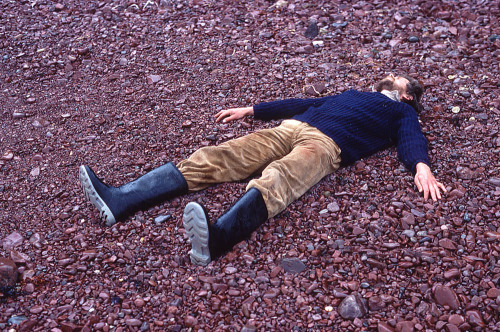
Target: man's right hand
{"x": 233, "y": 114}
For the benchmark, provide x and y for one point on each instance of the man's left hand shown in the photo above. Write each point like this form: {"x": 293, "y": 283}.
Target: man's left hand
{"x": 427, "y": 183}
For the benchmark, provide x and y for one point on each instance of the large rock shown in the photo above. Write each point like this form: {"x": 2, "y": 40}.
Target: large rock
{"x": 8, "y": 273}
{"x": 292, "y": 265}
{"x": 353, "y": 306}
{"x": 12, "y": 241}
{"x": 444, "y": 295}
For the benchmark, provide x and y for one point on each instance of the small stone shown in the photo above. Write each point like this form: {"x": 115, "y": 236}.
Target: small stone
{"x": 417, "y": 213}
{"x": 152, "y": 79}
{"x": 29, "y": 288}
{"x": 18, "y": 257}
{"x": 292, "y": 265}
{"x": 16, "y": 320}
{"x": 456, "y": 319}
{"x": 133, "y": 322}
{"x": 190, "y": 321}
{"x": 451, "y": 273}
{"x": 161, "y": 219}
{"x": 447, "y": 244}
{"x": 312, "y": 30}
{"x": 139, "y": 303}
{"x": 35, "y": 171}
{"x": 8, "y": 155}
{"x": 353, "y": 306}
{"x": 384, "y": 327}
{"x": 408, "y": 232}
{"x": 186, "y": 124}
{"x": 249, "y": 328}
{"x": 82, "y": 50}
{"x": 474, "y": 318}
{"x": 18, "y": 115}
{"x": 58, "y": 7}
{"x": 405, "y": 326}
{"x": 31, "y": 100}
{"x": 315, "y": 89}
{"x": 455, "y": 109}
{"x": 333, "y": 207}
{"x": 230, "y": 270}
{"x": 123, "y": 61}
{"x": 408, "y": 219}
{"x": 305, "y": 49}
{"x": 444, "y": 295}
{"x": 28, "y": 325}
{"x": 413, "y": 39}
{"x": 493, "y": 293}
{"x": 12, "y": 241}
{"x": 376, "y": 303}
{"x": 494, "y": 181}
{"x": 357, "y": 230}
{"x": 36, "y": 309}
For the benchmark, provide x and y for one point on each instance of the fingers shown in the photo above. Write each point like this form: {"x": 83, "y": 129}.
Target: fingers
{"x": 228, "y": 115}
{"x": 224, "y": 116}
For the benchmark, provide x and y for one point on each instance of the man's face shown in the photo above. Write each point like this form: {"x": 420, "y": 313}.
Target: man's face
{"x": 391, "y": 82}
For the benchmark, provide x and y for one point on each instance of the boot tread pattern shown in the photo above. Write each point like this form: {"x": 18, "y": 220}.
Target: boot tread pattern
{"x": 195, "y": 223}
{"x": 88, "y": 189}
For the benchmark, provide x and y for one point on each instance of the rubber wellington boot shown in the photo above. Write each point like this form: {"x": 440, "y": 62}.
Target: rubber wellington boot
{"x": 208, "y": 242}
{"x": 117, "y": 203}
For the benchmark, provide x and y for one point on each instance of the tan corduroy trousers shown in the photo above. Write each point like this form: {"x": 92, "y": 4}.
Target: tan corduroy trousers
{"x": 292, "y": 157}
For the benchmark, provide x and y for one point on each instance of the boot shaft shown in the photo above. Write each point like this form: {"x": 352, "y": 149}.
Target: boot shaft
{"x": 238, "y": 223}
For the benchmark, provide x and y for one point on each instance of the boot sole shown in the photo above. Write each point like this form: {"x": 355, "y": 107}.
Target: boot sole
{"x": 88, "y": 189}
{"x": 196, "y": 225}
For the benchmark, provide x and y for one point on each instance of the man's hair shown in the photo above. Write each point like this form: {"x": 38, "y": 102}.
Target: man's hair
{"x": 416, "y": 90}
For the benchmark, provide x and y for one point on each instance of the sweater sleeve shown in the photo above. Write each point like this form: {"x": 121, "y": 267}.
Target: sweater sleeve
{"x": 411, "y": 143}
{"x": 285, "y": 109}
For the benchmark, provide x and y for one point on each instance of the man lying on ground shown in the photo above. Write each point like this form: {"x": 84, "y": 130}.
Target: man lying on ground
{"x": 317, "y": 136}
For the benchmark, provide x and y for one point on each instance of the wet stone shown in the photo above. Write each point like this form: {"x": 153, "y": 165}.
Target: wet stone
{"x": 445, "y": 296}
{"x": 353, "y": 306}
{"x": 405, "y": 326}
{"x": 133, "y": 322}
{"x": 8, "y": 273}
{"x": 474, "y": 318}
{"x": 447, "y": 244}
{"x": 384, "y": 327}
{"x": 493, "y": 293}
{"x": 452, "y": 273}
{"x": 292, "y": 265}
{"x": 16, "y": 320}
{"x": 456, "y": 319}
{"x": 375, "y": 303}
{"x": 13, "y": 240}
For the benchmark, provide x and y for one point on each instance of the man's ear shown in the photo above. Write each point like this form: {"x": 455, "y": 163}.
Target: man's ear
{"x": 407, "y": 96}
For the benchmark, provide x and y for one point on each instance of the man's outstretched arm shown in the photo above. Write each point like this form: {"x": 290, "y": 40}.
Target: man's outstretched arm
{"x": 427, "y": 183}
{"x": 233, "y": 114}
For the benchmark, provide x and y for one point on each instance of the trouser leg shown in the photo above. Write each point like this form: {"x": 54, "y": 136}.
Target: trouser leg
{"x": 313, "y": 156}
{"x": 237, "y": 159}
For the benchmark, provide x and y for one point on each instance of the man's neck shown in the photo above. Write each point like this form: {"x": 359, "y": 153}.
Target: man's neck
{"x": 394, "y": 94}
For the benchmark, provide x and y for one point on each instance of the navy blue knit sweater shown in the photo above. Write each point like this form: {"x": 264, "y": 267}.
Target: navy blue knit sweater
{"x": 361, "y": 123}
